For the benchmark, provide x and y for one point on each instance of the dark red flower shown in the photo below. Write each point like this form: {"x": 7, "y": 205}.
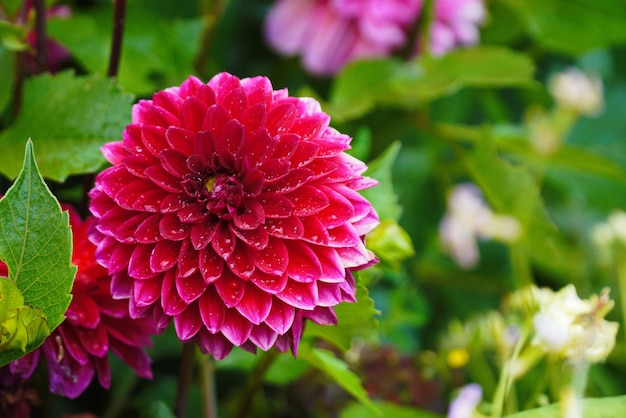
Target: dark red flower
{"x": 96, "y": 323}
{"x": 233, "y": 209}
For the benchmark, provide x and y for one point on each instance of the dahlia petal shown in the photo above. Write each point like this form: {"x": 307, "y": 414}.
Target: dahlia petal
{"x": 224, "y": 82}
{"x": 300, "y": 295}
{"x": 255, "y": 305}
{"x": 174, "y": 162}
{"x": 146, "y": 292}
{"x": 348, "y": 288}
{"x": 269, "y": 283}
{"x": 190, "y": 288}
{"x": 308, "y": 200}
{"x": 100, "y": 203}
{"x": 187, "y": 260}
{"x": 321, "y": 316}
{"x": 263, "y": 337}
{"x": 134, "y": 357}
{"x": 258, "y": 89}
{"x": 188, "y": 323}
{"x": 164, "y": 255}
{"x": 126, "y": 231}
{"x": 214, "y": 119}
{"x": 139, "y": 263}
{"x": 308, "y": 127}
{"x": 357, "y": 256}
{"x": 332, "y": 143}
{"x": 113, "y": 179}
{"x": 280, "y": 118}
{"x": 275, "y": 205}
{"x": 131, "y": 139}
{"x": 180, "y": 139}
{"x": 286, "y": 146}
{"x": 204, "y": 147}
{"x": 84, "y": 311}
{"x": 173, "y": 203}
{"x": 252, "y": 181}
{"x": 329, "y": 294}
{"x": 230, "y": 288}
{"x": 338, "y": 212}
{"x": 168, "y": 101}
{"x": 224, "y": 241}
{"x": 206, "y": 94}
{"x": 192, "y": 114}
{"x": 191, "y": 213}
{"x": 282, "y": 343}
{"x": 148, "y": 231}
{"x": 256, "y": 238}
{"x": 136, "y": 164}
{"x": 158, "y": 117}
{"x": 249, "y": 215}
{"x": 295, "y": 334}
{"x": 274, "y": 258}
{"x": 103, "y": 371}
{"x": 189, "y": 87}
{"x": 291, "y": 181}
{"x": 153, "y": 138}
{"x": 112, "y": 220}
{"x": 241, "y": 261}
{"x": 66, "y": 377}
{"x": 201, "y": 234}
{"x": 274, "y": 169}
{"x": 236, "y": 328}
{"x": 212, "y": 310}
{"x": 114, "y": 152}
{"x": 120, "y": 258}
{"x": 253, "y": 117}
{"x": 211, "y": 265}
{"x": 72, "y": 344}
{"x": 256, "y": 146}
{"x": 163, "y": 179}
{"x": 304, "y": 266}
{"x": 140, "y": 195}
{"x": 333, "y": 270}
{"x": 325, "y": 169}
{"x": 305, "y": 154}
{"x": 95, "y": 341}
{"x": 289, "y": 228}
{"x": 171, "y": 301}
{"x": 343, "y": 236}
{"x": 121, "y": 286}
{"x": 235, "y": 101}
{"x": 171, "y": 228}
{"x": 217, "y": 345}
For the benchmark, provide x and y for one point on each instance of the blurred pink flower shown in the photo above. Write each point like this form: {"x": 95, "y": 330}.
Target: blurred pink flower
{"x": 330, "y": 33}
{"x": 95, "y": 324}
{"x": 456, "y": 23}
{"x": 232, "y": 209}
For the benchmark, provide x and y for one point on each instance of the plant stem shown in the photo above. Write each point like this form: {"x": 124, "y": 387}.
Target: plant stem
{"x": 507, "y": 378}
{"x": 119, "y": 17}
{"x": 184, "y": 380}
{"x": 40, "y": 35}
{"x": 254, "y": 382}
{"x": 621, "y": 283}
{"x": 207, "y": 386}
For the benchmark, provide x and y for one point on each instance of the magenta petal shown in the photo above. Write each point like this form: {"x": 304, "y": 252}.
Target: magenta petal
{"x": 256, "y": 238}
{"x": 321, "y": 315}
{"x": 95, "y": 341}
{"x": 163, "y": 179}
{"x": 289, "y": 228}
{"x": 192, "y": 114}
{"x": 72, "y": 344}
{"x": 241, "y": 261}
{"x": 171, "y": 301}
{"x": 126, "y": 231}
{"x": 338, "y": 212}
{"x": 212, "y": 310}
{"x": 256, "y": 146}
{"x": 269, "y": 283}
{"x": 329, "y": 294}
{"x": 201, "y": 234}
{"x": 164, "y": 255}
{"x": 120, "y": 258}
{"x": 276, "y": 205}
{"x": 281, "y": 316}
{"x": 314, "y": 231}
{"x": 236, "y": 328}
{"x": 211, "y": 265}
{"x": 180, "y": 140}
{"x": 280, "y": 118}
{"x": 230, "y": 288}
{"x": 134, "y": 357}
{"x": 249, "y": 215}
{"x": 292, "y": 181}
{"x": 187, "y": 260}
{"x": 253, "y": 117}
{"x": 217, "y": 345}
{"x": 113, "y": 179}
{"x": 214, "y": 119}
{"x": 308, "y": 200}
{"x": 103, "y": 371}
{"x": 190, "y": 288}
{"x": 170, "y": 227}
{"x": 286, "y": 146}
{"x": 304, "y": 265}
{"x": 296, "y": 332}
{"x": 333, "y": 270}
{"x": 274, "y": 258}
{"x": 263, "y": 337}
{"x": 121, "y": 286}
{"x": 174, "y": 162}
{"x": 343, "y": 236}
{"x": 139, "y": 264}
{"x": 255, "y": 305}
{"x": 148, "y": 231}
{"x": 231, "y": 136}
{"x": 84, "y": 311}
{"x": 300, "y": 295}
{"x": 235, "y": 102}
{"x": 146, "y": 292}
{"x": 224, "y": 241}
{"x": 188, "y": 323}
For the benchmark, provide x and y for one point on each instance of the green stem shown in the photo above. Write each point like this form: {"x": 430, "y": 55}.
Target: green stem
{"x": 621, "y": 280}
{"x": 184, "y": 380}
{"x": 520, "y": 264}
{"x": 506, "y": 378}
{"x": 255, "y": 381}
{"x": 207, "y": 386}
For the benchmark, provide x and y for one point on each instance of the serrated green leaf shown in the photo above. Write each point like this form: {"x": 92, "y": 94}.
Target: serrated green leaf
{"x": 36, "y": 245}
{"x": 387, "y": 410}
{"x": 353, "y": 319}
{"x": 158, "y": 52}
{"x": 609, "y": 407}
{"x": 337, "y": 370}
{"x": 555, "y": 23}
{"x": 68, "y": 118}
{"x": 382, "y": 196}
{"x": 157, "y": 409}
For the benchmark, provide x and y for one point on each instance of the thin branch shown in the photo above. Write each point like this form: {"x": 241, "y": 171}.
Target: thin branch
{"x": 119, "y": 17}
{"x": 207, "y": 386}
{"x": 185, "y": 379}
{"x": 41, "y": 36}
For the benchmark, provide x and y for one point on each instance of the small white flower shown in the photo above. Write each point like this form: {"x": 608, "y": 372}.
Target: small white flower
{"x": 465, "y": 403}
{"x": 575, "y": 90}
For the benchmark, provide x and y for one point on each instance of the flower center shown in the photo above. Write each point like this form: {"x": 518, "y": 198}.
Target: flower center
{"x": 209, "y": 183}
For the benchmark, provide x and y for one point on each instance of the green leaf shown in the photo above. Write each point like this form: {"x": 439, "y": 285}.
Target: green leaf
{"x": 390, "y": 242}
{"x": 353, "y": 319}
{"x": 610, "y": 407}
{"x": 556, "y": 23}
{"x": 158, "y": 51}
{"x": 386, "y": 410}
{"x": 36, "y": 245}
{"x": 382, "y": 196}
{"x": 157, "y": 409}
{"x": 13, "y": 37}
{"x": 337, "y": 370}
{"x": 68, "y": 118}
{"x": 7, "y": 74}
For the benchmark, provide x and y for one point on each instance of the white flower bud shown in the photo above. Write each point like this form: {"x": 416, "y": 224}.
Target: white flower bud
{"x": 577, "y": 91}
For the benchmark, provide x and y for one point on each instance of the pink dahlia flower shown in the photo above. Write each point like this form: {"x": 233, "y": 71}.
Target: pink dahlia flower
{"x": 330, "y": 33}
{"x": 96, "y": 323}
{"x": 232, "y": 209}
{"x": 456, "y": 23}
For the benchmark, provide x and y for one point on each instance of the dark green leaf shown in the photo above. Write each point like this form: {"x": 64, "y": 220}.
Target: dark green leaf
{"x": 157, "y": 409}
{"x": 609, "y": 407}
{"x": 387, "y": 410}
{"x": 68, "y": 118}
{"x": 7, "y": 74}
{"x": 382, "y": 196}
{"x": 36, "y": 245}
